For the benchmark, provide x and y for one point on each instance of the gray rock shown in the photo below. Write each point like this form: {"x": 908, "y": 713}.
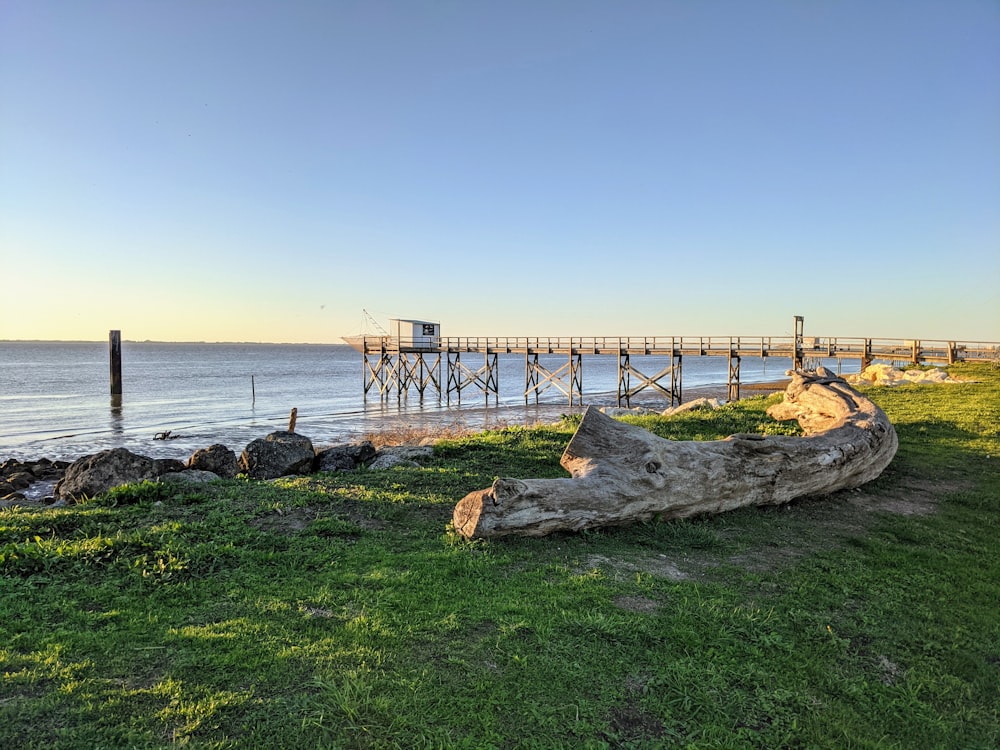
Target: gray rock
{"x": 217, "y": 459}
{"x": 190, "y": 476}
{"x": 408, "y": 452}
{"x": 344, "y": 457}
{"x": 91, "y": 475}
{"x": 41, "y": 469}
{"x": 277, "y": 455}
{"x": 391, "y": 460}
{"x": 167, "y": 465}
{"x": 621, "y": 411}
{"x": 401, "y": 455}
{"x": 697, "y": 404}
{"x": 20, "y": 479}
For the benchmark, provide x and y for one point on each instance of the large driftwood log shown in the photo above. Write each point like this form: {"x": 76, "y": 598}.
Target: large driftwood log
{"x": 621, "y": 473}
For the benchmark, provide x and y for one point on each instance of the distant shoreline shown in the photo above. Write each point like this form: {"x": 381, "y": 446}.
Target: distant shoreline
{"x": 168, "y": 343}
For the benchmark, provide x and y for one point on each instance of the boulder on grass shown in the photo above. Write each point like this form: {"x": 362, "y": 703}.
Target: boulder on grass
{"x": 189, "y": 476}
{"x": 401, "y": 455}
{"x": 217, "y": 459}
{"x": 344, "y": 457}
{"x": 277, "y": 455}
{"x": 167, "y": 466}
{"x": 699, "y": 404}
{"x": 91, "y": 475}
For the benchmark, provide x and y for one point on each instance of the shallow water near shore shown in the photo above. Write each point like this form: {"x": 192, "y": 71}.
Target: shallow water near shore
{"x": 55, "y": 397}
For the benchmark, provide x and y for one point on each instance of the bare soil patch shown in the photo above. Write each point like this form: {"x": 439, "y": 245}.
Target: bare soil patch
{"x": 910, "y": 497}
{"x": 289, "y": 521}
{"x": 796, "y": 530}
{"x": 296, "y": 520}
{"x": 653, "y": 564}
{"x": 631, "y": 724}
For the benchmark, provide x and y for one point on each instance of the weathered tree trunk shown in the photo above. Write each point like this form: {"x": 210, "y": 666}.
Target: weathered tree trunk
{"x": 621, "y": 473}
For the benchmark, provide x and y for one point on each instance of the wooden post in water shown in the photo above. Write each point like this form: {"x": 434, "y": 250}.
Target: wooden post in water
{"x": 115, "y": 353}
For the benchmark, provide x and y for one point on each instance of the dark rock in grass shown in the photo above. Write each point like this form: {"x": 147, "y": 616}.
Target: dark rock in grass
{"x": 277, "y": 455}
{"x": 217, "y": 459}
{"x": 391, "y": 461}
{"x": 167, "y": 465}
{"x": 189, "y": 476}
{"x": 92, "y": 475}
{"x": 401, "y": 455}
{"x": 344, "y": 457}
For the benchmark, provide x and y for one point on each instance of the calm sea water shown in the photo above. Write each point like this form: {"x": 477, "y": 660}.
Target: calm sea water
{"x": 55, "y": 402}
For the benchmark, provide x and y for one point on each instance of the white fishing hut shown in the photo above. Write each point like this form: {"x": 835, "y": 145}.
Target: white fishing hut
{"x": 415, "y": 334}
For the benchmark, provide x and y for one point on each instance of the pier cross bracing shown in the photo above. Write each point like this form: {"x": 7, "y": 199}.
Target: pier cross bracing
{"x": 411, "y": 356}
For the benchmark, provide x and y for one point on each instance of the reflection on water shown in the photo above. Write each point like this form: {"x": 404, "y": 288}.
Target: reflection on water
{"x": 117, "y": 418}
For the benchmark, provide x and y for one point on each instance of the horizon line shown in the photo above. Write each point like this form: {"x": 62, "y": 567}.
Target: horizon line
{"x": 344, "y": 343}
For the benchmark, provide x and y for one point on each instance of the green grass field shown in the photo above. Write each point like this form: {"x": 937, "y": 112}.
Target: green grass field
{"x": 337, "y": 611}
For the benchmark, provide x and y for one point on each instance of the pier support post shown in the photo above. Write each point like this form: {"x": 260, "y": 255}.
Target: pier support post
{"x": 676, "y": 374}
{"x": 417, "y": 373}
{"x": 733, "y": 391}
{"x": 486, "y": 378}
{"x": 626, "y": 370}
{"x": 377, "y": 375}
{"x": 392, "y": 369}
{"x": 568, "y": 379}
{"x": 576, "y": 377}
{"x": 798, "y": 357}
{"x": 531, "y": 381}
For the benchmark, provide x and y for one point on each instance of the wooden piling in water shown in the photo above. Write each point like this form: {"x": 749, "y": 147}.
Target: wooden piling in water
{"x": 115, "y": 355}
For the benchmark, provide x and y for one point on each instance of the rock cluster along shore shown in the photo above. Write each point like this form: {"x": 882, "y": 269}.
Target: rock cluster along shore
{"x": 283, "y": 453}
{"x": 276, "y": 455}
{"x": 16, "y": 476}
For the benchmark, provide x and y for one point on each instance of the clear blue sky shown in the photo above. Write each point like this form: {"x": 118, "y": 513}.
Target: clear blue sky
{"x": 262, "y": 171}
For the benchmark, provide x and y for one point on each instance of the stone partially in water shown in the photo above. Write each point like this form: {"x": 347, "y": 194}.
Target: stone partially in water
{"x": 92, "y": 475}
{"x": 277, "y": 455}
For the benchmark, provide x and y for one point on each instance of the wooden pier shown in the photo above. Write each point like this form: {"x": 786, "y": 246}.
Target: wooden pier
{"x": 395, "y": 365}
